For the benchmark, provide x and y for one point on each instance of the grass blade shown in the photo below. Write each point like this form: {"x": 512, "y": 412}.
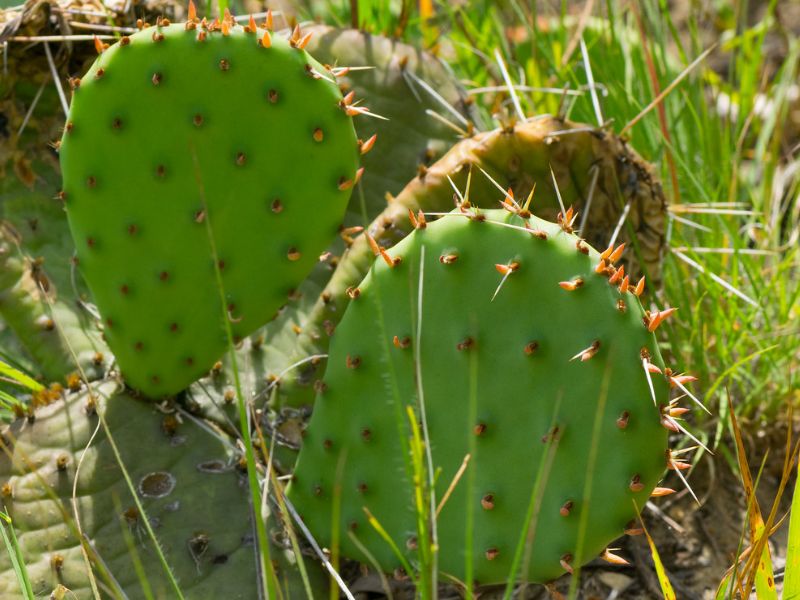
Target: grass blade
{"x": 15, "y": 554}
{"x": 663, "y": 580}
{"x": 19, "y": 377}
{"x": 791, "y": 583}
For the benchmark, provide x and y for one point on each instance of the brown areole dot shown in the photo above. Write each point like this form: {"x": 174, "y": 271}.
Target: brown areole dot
{"x": 531, "y": 347}
{"x": 465, "y": 344}
{"x": 636, "y": 485}
{"x": 57, "y": 562}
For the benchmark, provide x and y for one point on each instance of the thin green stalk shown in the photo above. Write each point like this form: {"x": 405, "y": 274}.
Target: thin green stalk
{"x": 15, "y": 555}
{"x": 524, "y": 547}
{"x": 130, "y": 543}
{"x": 469, "y": 529}
{"x": 142, "y": 513}
{"x": 589, "y": 480}
{"x": 267, "y": 573}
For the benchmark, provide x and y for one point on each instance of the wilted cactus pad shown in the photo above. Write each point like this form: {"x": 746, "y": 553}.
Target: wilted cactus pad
{"x": 542, "y": 381}
{"x": 183, "y": 473}
{"x": 176, "y": 132}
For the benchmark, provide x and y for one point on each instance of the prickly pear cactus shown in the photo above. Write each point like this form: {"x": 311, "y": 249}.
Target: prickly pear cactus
{"x": 184, "y": 473}
{"x": 595, "y": 172}
{"x": 197, "y": 156}
{"x": 526, "y": 348}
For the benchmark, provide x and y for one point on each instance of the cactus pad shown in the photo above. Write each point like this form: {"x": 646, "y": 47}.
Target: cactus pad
{"x": 597, "y": 173}
{"x": 529, "y": 359}
{"x": 184, "y": 135}
{"x": 168, "y": 463}
{"x": 187, "y": 479}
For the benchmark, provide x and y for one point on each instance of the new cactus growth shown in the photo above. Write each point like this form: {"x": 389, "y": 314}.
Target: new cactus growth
{"x": 201, "y": 157}
{"x": 522, "y": 350}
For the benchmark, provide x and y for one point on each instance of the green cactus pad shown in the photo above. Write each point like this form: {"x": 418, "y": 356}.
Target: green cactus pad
{"x": 519, "y": 157}
{"x": 177, "y": 132}
{"x": 185, "y": 475}
{"x": 509, "y": 369}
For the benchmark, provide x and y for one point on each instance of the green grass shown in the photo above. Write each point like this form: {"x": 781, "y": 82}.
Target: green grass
{"x": 733, "y": 275}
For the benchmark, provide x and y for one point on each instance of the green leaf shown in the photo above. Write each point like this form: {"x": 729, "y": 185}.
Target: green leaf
{"x": 19, "y": 377}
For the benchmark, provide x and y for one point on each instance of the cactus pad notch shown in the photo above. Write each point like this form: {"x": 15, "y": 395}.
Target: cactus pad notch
{"x": 514, "y": 314}
{"x": 179, "y": 130}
